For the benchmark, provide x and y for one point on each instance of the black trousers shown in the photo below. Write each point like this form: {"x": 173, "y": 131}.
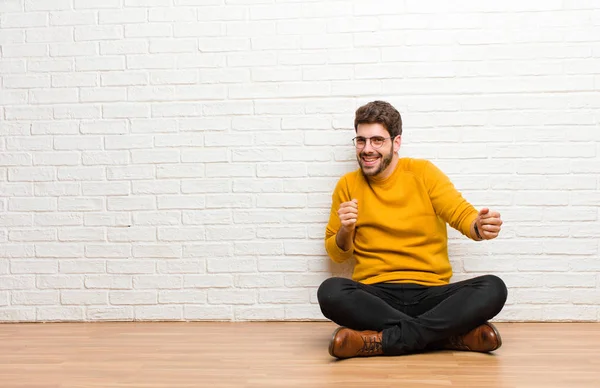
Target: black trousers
{"x": 412, "y": 317}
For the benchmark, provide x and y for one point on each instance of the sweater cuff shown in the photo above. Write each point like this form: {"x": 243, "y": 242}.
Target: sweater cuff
{"x": 336, "y": 253}
{"x": 466, "y": 230}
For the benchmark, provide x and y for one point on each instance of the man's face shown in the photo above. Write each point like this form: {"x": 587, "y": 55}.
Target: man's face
{"x": 374, "y": 160}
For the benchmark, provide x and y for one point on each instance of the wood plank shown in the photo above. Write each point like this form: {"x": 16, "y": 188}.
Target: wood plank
{"x": 281, "y": 354}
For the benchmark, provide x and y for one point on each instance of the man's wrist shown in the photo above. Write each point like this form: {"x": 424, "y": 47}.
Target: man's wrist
{"x": 477, "y": 231}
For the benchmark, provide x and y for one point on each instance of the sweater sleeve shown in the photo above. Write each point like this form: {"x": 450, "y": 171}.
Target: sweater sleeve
{"x": 340, "y": 194}
{"x": 448, "y": 202}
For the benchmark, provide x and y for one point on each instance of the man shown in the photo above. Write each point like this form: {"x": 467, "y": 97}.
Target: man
{"x": 391, "y": 215}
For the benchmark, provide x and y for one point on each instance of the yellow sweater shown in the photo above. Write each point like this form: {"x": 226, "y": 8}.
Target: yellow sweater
{"x": 400, "y": 234}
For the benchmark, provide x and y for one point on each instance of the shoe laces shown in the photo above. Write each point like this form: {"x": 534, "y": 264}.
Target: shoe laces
{"x": 371, "y": 344}
{"x": 457, "y": 342}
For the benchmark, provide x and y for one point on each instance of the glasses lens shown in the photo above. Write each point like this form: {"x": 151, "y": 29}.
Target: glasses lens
{"x": 360, "y": 142}
{"x": 377, "y": 141}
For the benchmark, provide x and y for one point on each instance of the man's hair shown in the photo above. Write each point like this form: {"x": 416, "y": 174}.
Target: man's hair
{"x": 380, "y": 112}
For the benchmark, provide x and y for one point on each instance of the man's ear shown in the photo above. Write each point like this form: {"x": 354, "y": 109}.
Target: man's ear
{"x": 397, "y": 143}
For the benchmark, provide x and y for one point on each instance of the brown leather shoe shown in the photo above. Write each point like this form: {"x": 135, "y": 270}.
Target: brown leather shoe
{"x": 346, "y": 343}
{"x": 484, "y": 338}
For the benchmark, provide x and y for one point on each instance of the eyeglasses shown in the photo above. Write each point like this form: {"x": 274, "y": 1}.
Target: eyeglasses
{"x": 376, "y": 141}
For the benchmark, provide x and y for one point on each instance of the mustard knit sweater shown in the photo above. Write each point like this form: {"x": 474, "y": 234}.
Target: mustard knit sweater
{"x": 400, "y": 234}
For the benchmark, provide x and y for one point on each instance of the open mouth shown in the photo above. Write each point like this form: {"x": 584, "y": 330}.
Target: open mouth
{"x": 369, "y": 160}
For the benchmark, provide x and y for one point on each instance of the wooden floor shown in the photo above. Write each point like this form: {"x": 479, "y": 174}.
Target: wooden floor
{"x": 152, "y": 355}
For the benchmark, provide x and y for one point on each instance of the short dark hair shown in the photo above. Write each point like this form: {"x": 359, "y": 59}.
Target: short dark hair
{"x": 380, "y": 112}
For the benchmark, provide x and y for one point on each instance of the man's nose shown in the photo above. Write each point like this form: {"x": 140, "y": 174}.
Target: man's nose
{"x": 368, "y": 146}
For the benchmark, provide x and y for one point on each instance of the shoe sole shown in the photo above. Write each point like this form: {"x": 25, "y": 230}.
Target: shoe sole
{"x": 497, "y": 335}
{"x": 332, "y": 343}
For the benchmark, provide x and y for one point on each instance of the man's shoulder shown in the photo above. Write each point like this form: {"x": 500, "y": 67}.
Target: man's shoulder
{"x": 350, "y": 178}
{"x": 414, "y": 165}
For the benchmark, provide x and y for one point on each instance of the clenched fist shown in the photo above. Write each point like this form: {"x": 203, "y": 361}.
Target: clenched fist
{"x": 348, "y": 213}
{"x": 489, "y": 224}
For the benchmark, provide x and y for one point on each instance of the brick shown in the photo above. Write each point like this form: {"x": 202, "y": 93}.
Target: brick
{"x": 178, "y": 14}
{"x": 122, "y": 16}
{"x": 131, "y": 234}
{"x": 12, "y": 66}
{"x": 133, "y": 297}
{"x": 181, "y": 202}
{"x": 107, "y": 219}
{"x": 283, "y": 296}
{"x": 72, "y": 18}
{"x": 159, "y": 313}
{"x": 207, "y": 217}
{"x": 181, "y": 266}
{"x": 220, "y": 233}
{"x": 60, "y": 314}
{"x": 49, "y": 34}
{"x": 179, "y": 171}
{"x": 210, "y": 313}
{"x": 231, "y": 265}
{"x": 234, "y": 297}
{"x": 182, "y": 296}
{"x": 107, "y": 250}
{"x": 152, "y": 61}
{"x": 58, "y": 219}
{"x": 263, "y": 185}
{"x": 23, "y": 20}
{"x": 156, "y": 187}
{"x": 207, "y": 250}
{"x": 42, "y": 266}
{"x": 124, "y": 78}
{"x": 79, "y": 49}
{"x": 84, "y": 298}
{"x": 282, "y": 264}
{"x": 170, "y": 45}
{"x": 81, "y": 173}
{"x": 131, "y": 203}
{"x": 130, "y": 172}
{"x": 181, "y": 234}
{"x": 35, "y": 298}
{"x": 32, "y": 204}
{"x": 80, "y": 204}
{"x": 80, "y": 111}
{"x": 258, "y": 280}
{"x": 59, "y": 282}
{"x": 282, "y": 201}
{"x": 157, "y": 251}
{"x": 155, "y": 156}
{"x": 110, "y": 314}
{"x": 259, "y": 313}
{"x": 147, "y": 3}
{"x": 31, "y": 50}
{"x": 29, "y": 143}
{"x": 131, "y": 267}
{"x": 158, "y": 282}
{"x": 31, "y": 174}
{"x": 170, "y": 77}
{"x": 81, "y": 234}
{"x": 82, "y": 266}
{"x": 32, "y": 235}
{"x": 109, "y": 282}
{"x": 15, "y": 159}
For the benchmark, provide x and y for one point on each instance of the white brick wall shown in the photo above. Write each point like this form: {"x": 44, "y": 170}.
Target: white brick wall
{"x": 174, "y": 159}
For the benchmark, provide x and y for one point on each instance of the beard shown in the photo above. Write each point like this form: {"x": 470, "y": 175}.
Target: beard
{"x": 384, "y": 162}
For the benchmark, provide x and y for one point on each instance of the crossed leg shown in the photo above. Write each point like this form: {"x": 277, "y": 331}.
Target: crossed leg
{"x": 412, "y": 317}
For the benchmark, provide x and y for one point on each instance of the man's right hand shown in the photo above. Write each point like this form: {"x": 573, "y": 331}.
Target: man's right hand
{"x": 348, "y": 213}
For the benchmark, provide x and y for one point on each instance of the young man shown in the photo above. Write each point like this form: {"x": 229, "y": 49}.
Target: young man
{"x": 391, "y": 215}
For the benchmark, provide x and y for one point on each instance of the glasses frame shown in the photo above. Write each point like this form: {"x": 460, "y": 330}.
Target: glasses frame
{"x": 368, "y": 140}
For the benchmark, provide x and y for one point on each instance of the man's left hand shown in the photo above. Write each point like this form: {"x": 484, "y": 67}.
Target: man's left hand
{"x": 489, "y": 224}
